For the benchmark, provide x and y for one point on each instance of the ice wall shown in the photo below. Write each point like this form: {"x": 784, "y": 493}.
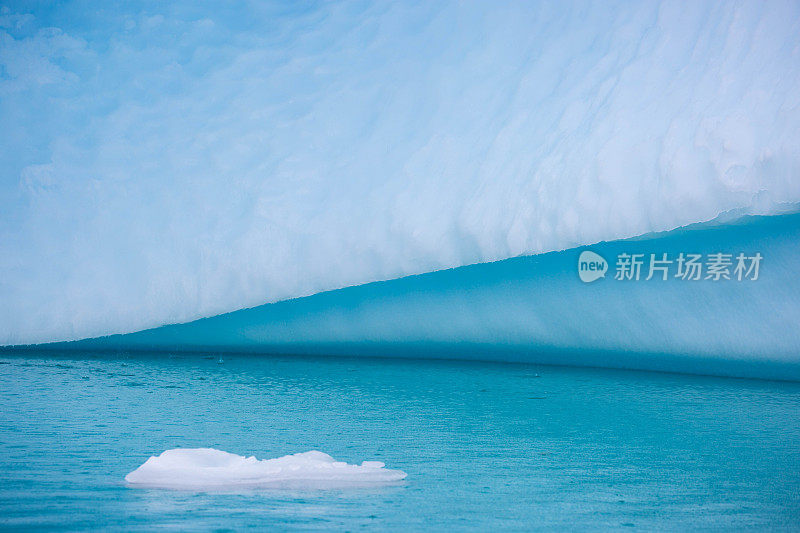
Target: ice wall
{"x": 163, "y": 162}
{"x": 537, "y": 309}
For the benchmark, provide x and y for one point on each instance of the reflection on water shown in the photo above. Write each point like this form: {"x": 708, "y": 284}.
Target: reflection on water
{"x": 484, "y": 445}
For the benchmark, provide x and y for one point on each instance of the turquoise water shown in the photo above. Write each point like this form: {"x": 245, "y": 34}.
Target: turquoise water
{"x": 485, "y": 445}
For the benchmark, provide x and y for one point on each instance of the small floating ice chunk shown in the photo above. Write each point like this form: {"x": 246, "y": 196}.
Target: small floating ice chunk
{"x": 211, "y": 468}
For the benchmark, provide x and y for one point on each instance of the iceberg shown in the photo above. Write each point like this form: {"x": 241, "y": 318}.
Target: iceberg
{"x": 209, "y": 468}
{"x": 537, "y": 309}
{"x": 162, "y": 164}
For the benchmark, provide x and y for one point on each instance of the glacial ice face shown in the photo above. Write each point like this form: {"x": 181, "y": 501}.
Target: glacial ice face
{"x": 537, "y": 309}
{"x": 165, "y": 162}
{"x": 203, "y": 468}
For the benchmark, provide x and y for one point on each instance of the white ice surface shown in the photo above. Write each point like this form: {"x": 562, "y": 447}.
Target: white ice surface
{"x": 164, "y": 162}
{"x": 210, "y": 468}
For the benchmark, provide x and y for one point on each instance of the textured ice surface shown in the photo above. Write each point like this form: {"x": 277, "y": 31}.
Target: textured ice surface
{"x": 166, "y": 162}
{"x": 537, "y": 309}
{"x": 210, "y": 468}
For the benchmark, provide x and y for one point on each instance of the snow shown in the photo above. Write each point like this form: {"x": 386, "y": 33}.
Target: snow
{"x": 203, "y": 468}
{"x": 162, "y": 163}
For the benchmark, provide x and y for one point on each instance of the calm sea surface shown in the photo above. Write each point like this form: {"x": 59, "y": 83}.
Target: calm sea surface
{"x": 486, "y": 446}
